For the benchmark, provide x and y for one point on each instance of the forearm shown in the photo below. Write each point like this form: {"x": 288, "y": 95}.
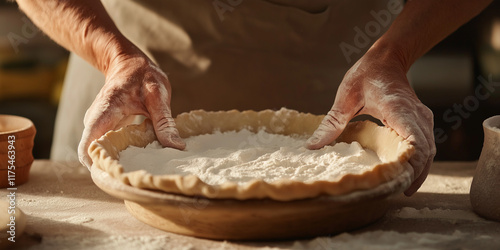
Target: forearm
{"x": 424, "y": 23}
{"x": 83, "y": 27}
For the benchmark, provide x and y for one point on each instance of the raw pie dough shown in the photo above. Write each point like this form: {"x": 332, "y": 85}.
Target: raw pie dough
{"x": 247, "y": 155}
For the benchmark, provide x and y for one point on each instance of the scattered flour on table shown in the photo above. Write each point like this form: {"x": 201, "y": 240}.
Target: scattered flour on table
{"x": 387, "y": 240}
{"x": 379, "y": 239}
{"x": 115, "y": 242}
{"x": 78, "y": 219}
{"x": 242, "y": 156}
{"x": 110, "y": 242}
{"x": 450, "y": 215}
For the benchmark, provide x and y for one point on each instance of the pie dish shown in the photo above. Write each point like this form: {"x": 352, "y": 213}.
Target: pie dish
{"x": 392, "y": 149}
{"x": 254, "y": 219}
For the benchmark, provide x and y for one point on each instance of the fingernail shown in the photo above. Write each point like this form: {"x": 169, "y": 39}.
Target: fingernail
{"x": 313, "y": 141}
{"x": 177, "y": 141}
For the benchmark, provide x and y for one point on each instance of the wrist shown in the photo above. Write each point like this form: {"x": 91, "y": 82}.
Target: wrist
{"x": 115, "y": 51}
{"x": 391, "y": 54}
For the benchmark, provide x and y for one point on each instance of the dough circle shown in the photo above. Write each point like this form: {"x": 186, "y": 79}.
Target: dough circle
{"x": 392, "y": 149}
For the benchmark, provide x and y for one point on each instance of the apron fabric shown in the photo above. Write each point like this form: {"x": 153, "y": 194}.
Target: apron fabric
{"x": 229, "y": 54}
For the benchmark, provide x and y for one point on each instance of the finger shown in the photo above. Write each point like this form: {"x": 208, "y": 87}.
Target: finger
{"x": 83, "y": 155}
{"x": 416, "y": 127}
{"x": 414, "y": 134}
{"x": 98, "y": 120}
{"x": 417, "y": 183}
{"x": 161, "y": 116}
{"x": 330, "y": 128}
{"x": 165, "y": 130}
{"x": 423, "y": 175}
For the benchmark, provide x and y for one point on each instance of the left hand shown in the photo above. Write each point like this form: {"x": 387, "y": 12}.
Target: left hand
{"x": 134, "y": 86}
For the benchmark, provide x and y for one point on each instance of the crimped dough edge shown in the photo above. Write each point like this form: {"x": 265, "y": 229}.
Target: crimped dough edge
{"x": 393, "y": 150}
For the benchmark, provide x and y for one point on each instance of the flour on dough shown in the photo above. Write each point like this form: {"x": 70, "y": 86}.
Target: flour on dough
{"x": 242, "y": 156}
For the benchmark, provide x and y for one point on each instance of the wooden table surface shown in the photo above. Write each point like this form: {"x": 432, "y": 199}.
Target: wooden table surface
{"x": 65, "y": 210}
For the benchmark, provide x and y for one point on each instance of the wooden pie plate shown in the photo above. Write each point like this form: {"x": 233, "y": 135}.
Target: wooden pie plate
{"x": 264, "y": 219}
{"x": 200, "y": 215}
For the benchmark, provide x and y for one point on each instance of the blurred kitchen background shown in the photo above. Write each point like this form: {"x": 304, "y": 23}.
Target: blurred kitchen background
{"x": 32, "y": 69}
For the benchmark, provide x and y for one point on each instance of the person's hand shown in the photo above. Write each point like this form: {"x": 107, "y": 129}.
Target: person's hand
{"x": 134, "y": 86}
{"x": 377, "y": 85}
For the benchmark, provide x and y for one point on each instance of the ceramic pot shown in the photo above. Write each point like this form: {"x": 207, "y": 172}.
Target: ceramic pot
{"x": 17, "y": 136}
{"x": 485, "y": 188}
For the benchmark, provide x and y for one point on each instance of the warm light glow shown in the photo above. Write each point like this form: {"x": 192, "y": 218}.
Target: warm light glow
{"x": 495, "y": 34}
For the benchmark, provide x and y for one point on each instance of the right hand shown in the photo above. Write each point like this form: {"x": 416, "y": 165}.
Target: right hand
{"x": 134, "y": 86}
{"x": 377, "y": 85}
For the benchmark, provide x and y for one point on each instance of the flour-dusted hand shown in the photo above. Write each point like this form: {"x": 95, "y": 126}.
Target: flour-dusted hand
{"x": 377, "y": 85}
{"x": 134, "y": 86}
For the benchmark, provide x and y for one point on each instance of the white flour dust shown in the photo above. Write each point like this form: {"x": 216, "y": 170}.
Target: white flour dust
{"x": 242, "y": 156}
{"x": 386, "y": 240}
{"x": 450, "y": 215}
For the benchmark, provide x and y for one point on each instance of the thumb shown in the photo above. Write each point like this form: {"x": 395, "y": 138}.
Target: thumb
{"x": 330, "y": 128}
{"x": 164, "y": 126}
{"x": 167, "y": 133}
{"x": 83, "y": 155}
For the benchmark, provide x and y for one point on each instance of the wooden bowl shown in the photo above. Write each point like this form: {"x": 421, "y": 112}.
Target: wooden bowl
{"x": 264, "y": 219}
{"x": 17, "y": 136}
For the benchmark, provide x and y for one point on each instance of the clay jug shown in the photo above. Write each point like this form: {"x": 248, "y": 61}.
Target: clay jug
{"x": 485, "y": 188}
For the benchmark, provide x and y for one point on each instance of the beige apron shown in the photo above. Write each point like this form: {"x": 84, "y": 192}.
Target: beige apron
{"x": 231, "y": 54}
